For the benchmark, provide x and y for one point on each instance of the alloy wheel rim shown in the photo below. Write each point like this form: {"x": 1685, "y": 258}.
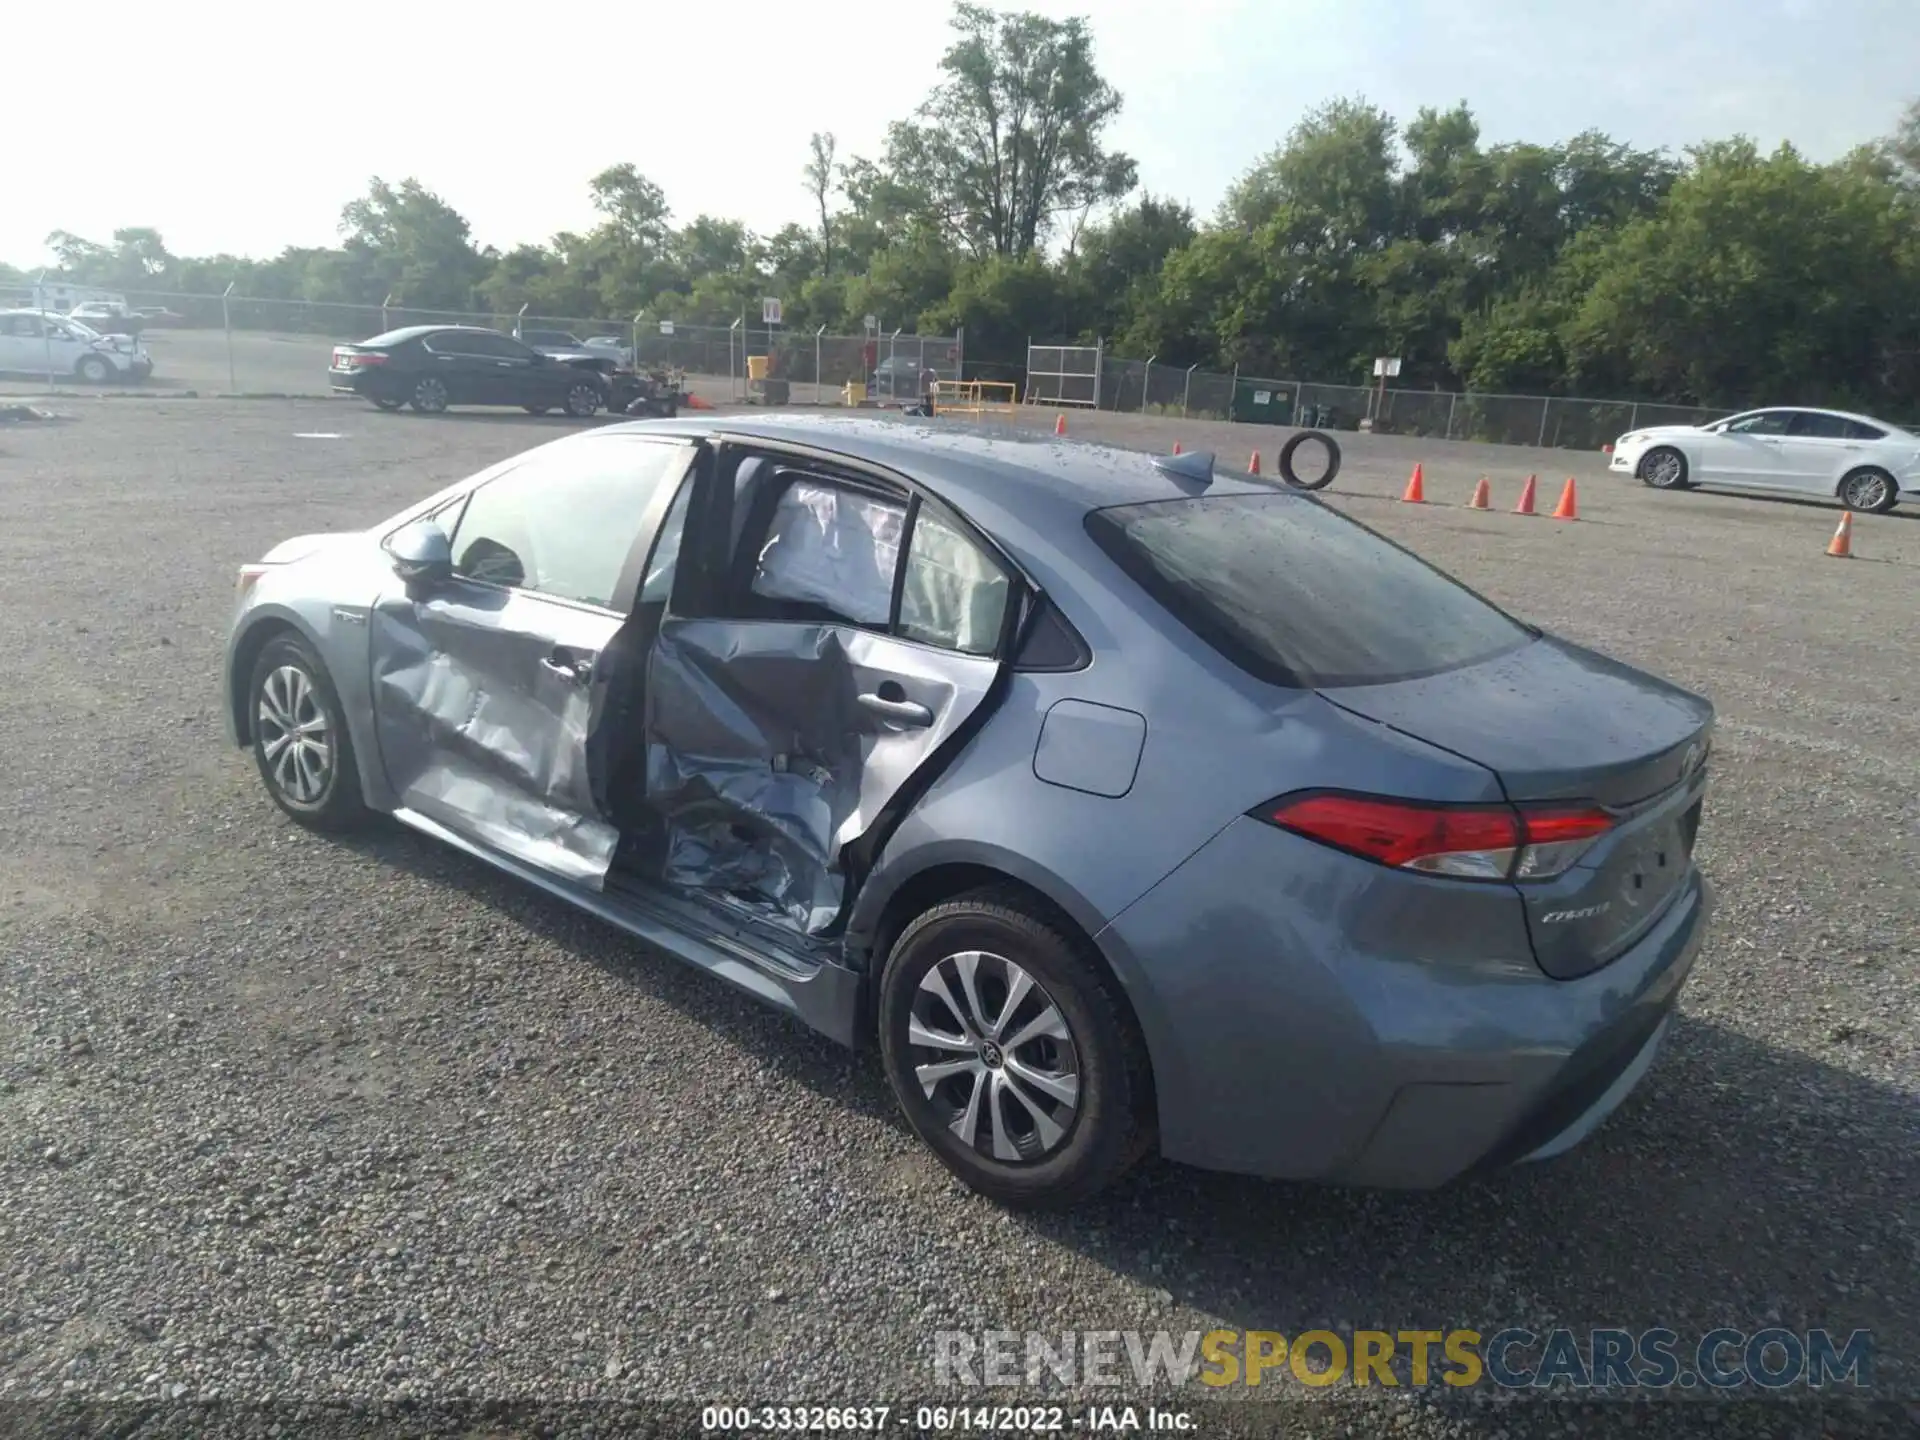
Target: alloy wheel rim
{"x": 583, "y": 400}
{"x": 1867, "y": 491}
{"x": 994, "y": 1057}
{"x": 431, "y": 393}
{"x": 1664, "y": 470}
{"x": 295, "y": 739}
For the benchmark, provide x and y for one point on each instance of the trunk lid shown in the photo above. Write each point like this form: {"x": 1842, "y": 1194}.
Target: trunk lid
{"x": 1558, "y": 723}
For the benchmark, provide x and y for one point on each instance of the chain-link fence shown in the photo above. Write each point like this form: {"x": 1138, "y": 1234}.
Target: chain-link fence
{"x": 253, "y": 345}
{"x": 1562, "y": 422}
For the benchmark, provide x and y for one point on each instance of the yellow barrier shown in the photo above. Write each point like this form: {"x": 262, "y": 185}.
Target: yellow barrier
{"x": 974, "y": 397}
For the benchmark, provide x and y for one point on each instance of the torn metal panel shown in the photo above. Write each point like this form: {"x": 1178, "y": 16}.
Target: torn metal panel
{"x": 483, "y": 730}
{"x": 767, "y": 756}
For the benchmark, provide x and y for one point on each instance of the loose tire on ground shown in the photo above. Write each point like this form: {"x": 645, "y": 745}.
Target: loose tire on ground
{"x": 1292, "y": 448}
{"x": 1109, "y": 1124}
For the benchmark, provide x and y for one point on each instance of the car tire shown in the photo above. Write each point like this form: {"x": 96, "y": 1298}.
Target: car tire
{"x": 290, "y": 698}
{"x": 429, "y": 395}
{"x": 1082, "y": 1043}
{"x": 1664, "y": 468}
{"x": 94, "y": 369}
{"x": 1869, "y": 489}
{"x": 385, "y": 402}
{"x": 584, "y": 400}
{"x": 536, "y": 409}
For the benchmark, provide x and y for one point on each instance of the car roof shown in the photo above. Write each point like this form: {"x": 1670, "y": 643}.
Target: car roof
{"x": 1822, "y": 410}
{"x": 967, "y": 464}
{"x": 413, "y": 332}
{"x": 1028, "y": 489}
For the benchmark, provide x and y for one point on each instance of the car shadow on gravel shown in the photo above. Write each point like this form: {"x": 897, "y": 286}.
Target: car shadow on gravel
{"x": 1743, "y": 1185}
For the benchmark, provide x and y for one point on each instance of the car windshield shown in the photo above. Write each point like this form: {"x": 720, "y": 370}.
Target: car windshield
{"x": 1297, "y": 594}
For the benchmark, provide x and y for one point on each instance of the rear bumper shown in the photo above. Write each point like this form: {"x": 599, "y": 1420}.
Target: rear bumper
{"x": 1281, "y": 1048}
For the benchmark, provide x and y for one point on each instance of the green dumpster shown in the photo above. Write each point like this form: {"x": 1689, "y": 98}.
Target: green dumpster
{"x": 1261, "y": 402}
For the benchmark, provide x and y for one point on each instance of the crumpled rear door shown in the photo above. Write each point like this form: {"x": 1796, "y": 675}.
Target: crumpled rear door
{"x": 779, "y": 738}
{"x": 771, "y": 748}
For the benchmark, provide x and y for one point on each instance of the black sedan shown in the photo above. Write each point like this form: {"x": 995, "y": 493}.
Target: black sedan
{"x": 433, "y": 366}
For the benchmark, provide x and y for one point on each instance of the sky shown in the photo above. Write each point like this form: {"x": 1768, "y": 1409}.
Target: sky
{"x": 243, "y": 128}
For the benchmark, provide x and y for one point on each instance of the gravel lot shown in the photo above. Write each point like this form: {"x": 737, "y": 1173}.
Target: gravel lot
{"x": 361, "y": 1120}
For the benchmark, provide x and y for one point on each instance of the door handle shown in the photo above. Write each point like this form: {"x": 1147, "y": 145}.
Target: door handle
{"x": 901, "y": 712}
{"x": 568, "y": 667}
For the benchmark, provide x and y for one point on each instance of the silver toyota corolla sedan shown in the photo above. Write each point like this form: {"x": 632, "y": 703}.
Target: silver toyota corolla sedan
{"x": 1122, "y": 803}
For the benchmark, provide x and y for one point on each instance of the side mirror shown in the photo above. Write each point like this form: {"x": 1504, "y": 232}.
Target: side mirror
{"x": 422, "y": 553}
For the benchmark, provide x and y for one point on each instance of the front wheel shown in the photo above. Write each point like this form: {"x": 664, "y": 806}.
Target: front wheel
{"x": 583, "y": 401}
{"x": 1869, "y": 490}
{"x": 1664, "y": 469}
{"x": 300, "y": 740}
{"x": 94, "y": 369}
{"x": 1012, "y": 1053}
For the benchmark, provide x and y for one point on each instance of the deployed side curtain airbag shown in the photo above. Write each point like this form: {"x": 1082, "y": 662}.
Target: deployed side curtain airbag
{"x": 833, "y": 547}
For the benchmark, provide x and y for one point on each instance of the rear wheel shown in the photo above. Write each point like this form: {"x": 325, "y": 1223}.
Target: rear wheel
{"x": 1012, "y": 1052}
{"x": 385, "y": 402}
{"x": 583, "y": 400}
{"x": 1870, "y": 490}
{"x": 429, "y": 395}
{"x": 1664, "y": 469}
{"x": 300, "y": 739}
{"x": 536, "y": 409}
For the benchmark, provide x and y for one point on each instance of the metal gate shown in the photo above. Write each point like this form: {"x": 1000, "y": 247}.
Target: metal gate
{"x": 1064, "y": 374}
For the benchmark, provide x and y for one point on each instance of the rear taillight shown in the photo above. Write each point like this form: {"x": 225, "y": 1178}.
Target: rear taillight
{"x": 1467, "y": 842}
{"x": 352, "y": 360}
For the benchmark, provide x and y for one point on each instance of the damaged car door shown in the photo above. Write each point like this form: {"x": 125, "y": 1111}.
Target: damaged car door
{"x": 487, "y": 669}
{"x": 837, "y": 633}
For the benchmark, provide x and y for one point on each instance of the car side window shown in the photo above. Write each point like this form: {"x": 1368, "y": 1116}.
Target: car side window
{"x": 1767, "y": 422}
{"x": 564, "y": 523}
{"x": 1858, "y": 430}
{"x": 657, "y": 587}
{"x": 498, "y": 347}
{"x": 1811, "y": 425}
{"x": 953, "y": 595}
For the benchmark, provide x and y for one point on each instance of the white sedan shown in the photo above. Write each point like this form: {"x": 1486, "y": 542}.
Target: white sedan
{"x": 1865, "y": 463}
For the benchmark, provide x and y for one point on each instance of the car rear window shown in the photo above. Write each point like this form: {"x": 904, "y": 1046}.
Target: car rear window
{"x": 1297, "y": 594}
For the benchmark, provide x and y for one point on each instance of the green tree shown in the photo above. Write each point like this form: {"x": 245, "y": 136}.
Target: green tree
{"x": 1758, "y": 276}
{"x": 414, "y": 245}
{"x": 822, "y": 179}
{"x": 1011, "y": 137}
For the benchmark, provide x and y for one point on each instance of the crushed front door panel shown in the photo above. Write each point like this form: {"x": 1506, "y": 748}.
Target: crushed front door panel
{"x": 773, "y": 745}
{"x": 482, "y": 698}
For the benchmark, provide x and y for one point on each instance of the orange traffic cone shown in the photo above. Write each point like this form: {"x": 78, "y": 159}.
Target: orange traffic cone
{"x": 1416, "y": 493}
{"x": 1176, "y": 447}
{"x": 1525, "y": 507}
{"x": 1253, "y": 464}
{"x": 1059, "y": 424}
{"x": 1569, "y": 507}
{"x": 1842, "y": 542}
{"x": 1481, "y": 496}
